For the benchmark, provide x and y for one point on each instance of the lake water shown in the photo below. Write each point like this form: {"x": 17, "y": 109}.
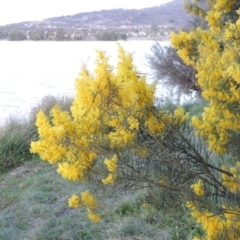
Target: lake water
{"x": 31, "y": 70}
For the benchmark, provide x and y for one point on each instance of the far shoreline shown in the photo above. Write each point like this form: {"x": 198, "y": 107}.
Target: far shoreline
{"x": 120, "y": 40}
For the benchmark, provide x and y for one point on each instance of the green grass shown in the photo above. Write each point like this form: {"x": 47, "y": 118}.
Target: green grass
{"x": 34, "y": 206}
{"x": 195, "y": 108}
{"x": 17, "y": 133}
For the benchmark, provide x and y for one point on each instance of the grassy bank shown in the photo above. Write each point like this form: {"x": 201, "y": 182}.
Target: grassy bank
{"x": 34, "y": 206}
{"x": 34, "y": 198}
{"x": 17, "y": 133}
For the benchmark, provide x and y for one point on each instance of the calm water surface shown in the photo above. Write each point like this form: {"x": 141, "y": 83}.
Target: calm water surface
{"x": 31, "y": 70}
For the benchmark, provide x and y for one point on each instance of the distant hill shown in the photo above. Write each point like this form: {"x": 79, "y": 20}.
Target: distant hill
{"x": 149, "y": 23}
{"x": 170, "y": 14}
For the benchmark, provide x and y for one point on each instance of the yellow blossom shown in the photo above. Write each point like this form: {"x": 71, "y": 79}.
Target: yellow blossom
{"x": 109, "y": 179}
{"x": 232, "y": 182}
{"x": 155, "y": 125}
{"x": 74, "y": 202}
{"x": 180, "y": 115}
{"x": 198, "y": 188}
{"x": 215, "y": 226}
{"x": 70, "y": 171}
{"x": 134, "y": 124}
{"x": 88, "y": 200}
{"x": 93, "y": 216}
{"x": 111, "y": 164}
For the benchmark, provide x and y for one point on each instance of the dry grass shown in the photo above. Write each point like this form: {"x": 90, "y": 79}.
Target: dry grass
{"x": 34, "y": 206}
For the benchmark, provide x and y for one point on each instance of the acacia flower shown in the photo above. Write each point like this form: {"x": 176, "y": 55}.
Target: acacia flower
{"x": 111, "y": 164}
{"x": 109, "y": 179}
{"x": 88, "y": 200}
{"x": 198, "y": 188}
{"x": 74, "y": 202}
{"x": 93, "y": 216}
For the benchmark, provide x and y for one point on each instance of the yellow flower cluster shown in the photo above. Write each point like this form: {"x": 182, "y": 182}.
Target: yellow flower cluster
{"x": 180, "y": 115}
{"x": 224, "y": 226}
{"x": 112, "y": 168}
{"x": 198, "y": 188}
{"x": 88, "y": 201}
{"x": 109, "y": 109}
{"x": 232, "y": 182}
{"x": 120, "y": 137}
{"x": 214, "y": 127}
{"x": 49, "y": 146}
{"x": 155, "y": 124}
{"x": 110, "y": 179}
{"x": 93, "y": 216}
{"x": 217, "y": 227}
{"x": 74, "y": 201}
{"x": 223, "y": 5}
{"x": 213, "y": 18}
{"x": 134, "y": 124}
{"x": 214, "y": 53}
{"x": 111, "y": 164}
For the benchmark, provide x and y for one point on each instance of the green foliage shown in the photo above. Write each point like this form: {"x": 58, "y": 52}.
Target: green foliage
{"x": 110, "y": 35}
{"x": 17, "y": 133}
{"x": 37, "y": 35}
{"x": 17, "y": 35}
{"x": 195, "y": 108}
{"x": 132, "y": 208}
{"x": 15, "y": 138}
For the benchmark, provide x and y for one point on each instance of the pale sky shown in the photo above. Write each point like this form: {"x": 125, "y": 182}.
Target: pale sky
{"x": 12, "y": 11}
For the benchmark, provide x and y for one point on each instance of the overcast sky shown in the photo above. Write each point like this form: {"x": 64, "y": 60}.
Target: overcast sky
{"x": 12, "y": 11}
